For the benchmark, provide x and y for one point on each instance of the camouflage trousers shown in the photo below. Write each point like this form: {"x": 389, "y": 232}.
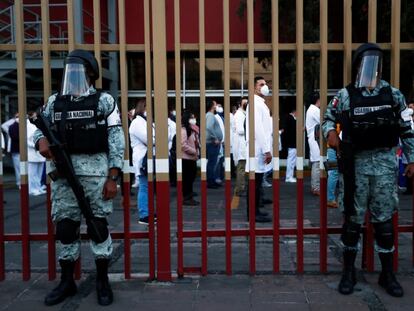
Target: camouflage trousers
{"x": 376, "y": 193}
{"x": 64, "y": 205}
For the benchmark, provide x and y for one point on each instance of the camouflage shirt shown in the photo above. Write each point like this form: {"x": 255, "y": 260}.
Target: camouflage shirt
{"x": 96, "y": 164}
{"x": 377, "y": 161}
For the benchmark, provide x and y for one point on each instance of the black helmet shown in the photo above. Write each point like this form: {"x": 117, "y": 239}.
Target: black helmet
{"x": 86, "y": 58}
{"x": 356, "y": 59}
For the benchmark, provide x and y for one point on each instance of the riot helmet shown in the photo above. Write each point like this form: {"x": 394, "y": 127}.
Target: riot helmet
{"x": 367, "y": 66}
{"x": 81, "y": 70}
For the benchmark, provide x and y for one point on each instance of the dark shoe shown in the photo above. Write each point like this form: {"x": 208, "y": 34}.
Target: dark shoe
{"x": 191, "y": 202}
{"x": 103, "y": 289}
{"x": 66, "y": 287}
{"x": 388, "y": 281}
{"x": 145, "y": 220}
{"x": 387, "y": 278}
{"x": 347, "y": 283}
{"x": 261, "y": 212}
{"x": 267, "y": 201}
{"x": 348, "y": 280}
{"x": 262, "y": 218}
{"x": 213, "y": 186}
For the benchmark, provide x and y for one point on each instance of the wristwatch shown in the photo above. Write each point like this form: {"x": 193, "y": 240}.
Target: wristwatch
{"x": 113, "y": 177}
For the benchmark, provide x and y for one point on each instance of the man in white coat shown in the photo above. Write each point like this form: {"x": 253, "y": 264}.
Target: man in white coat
{"x": 263, "y": 143}
{"x": 312, "y": 120}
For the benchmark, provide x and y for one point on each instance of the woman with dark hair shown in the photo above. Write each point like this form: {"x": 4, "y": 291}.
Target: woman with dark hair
{"x": 190, "y": 146}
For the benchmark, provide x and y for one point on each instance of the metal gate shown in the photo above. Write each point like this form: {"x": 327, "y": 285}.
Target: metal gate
{"x": 154, "y": 47}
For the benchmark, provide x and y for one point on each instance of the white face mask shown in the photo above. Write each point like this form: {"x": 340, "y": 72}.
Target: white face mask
{"x": 174, "y": 113}
{"x": 265, "y": 90}
{"x": 192, "y": 121}
{"x": 219, "y": 109}
{"x": 145, "y": 113}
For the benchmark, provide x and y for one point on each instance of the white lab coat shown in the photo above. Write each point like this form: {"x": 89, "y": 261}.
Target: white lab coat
{"x": 32, "y": 154}
{"x": 312, "y": 119}
{"x": 239, "y": 145}
{"x": 232, "y": 133}
{"x": 263, "y": 132}
{"x": 139, "y": 142}
{"x": 172, "y": 130}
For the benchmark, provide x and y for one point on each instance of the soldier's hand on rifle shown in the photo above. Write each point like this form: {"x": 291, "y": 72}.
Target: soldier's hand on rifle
{"x": 44, "y": 148}
{"x": 333, "y": 139}
{"x": 409, "y": 170}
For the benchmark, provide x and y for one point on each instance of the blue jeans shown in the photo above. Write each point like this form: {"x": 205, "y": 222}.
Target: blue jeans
{"x": 142, "y": 196}
{"x": 212, "y": 154}
{"x": 332, "y": 176}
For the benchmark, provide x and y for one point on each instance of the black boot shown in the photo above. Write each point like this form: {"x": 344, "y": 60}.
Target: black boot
{"x": 66, "y": 287}
{"x": 387, "y": 278}
{"x": 103, "y": 289}
{"x": 348, "y": 280}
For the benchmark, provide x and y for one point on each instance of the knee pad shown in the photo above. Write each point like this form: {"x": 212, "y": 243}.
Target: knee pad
{"x": 350, "y": 234}
{"x": 68, "y": 231}
{"x": 384, "y": 234}
{"x": 98, "y": 229}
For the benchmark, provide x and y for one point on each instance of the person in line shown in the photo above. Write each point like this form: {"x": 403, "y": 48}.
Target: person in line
{"x": 312, "y": 120}
{"x": 262, "y": 142}
{"x": 240, "y": 148}
{"x": 139, "y": 144}
{"x": 220, "y": 161}
{"x": 214, "y": 136}
{"x": 190, "y": 145}
{"x": 373, "y": 116}
{"x": 289, "y": 142}
{"x": 88, "y": 122}
{"x": 14, "y": 147}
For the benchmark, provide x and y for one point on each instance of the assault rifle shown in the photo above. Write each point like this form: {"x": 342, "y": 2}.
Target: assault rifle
{"x": 65, "y": 169}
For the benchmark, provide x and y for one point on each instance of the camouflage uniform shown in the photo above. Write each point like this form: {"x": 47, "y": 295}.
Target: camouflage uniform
{"x": 375, "y": 170}
{"x": 92, "y": 171}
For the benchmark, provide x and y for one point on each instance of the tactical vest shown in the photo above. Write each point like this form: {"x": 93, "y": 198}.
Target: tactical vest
{"x": 374, "y": 119}
{"x": 78, "y": 126}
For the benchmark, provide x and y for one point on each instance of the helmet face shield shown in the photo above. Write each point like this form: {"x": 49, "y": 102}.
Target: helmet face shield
{"x": 369, "y": 71}
{"x": 75, "y": 80}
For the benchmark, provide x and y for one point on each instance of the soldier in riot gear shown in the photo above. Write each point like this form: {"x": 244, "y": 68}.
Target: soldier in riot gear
{"x": 373, "y": 116}
{"x": 87, "y": 123}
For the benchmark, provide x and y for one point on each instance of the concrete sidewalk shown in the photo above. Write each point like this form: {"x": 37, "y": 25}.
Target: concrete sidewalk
{"x": 214, "y": 292}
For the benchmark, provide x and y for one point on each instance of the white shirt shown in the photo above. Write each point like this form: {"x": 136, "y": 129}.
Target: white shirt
{"x": 263, "y": 132}
{"x": 312, "y": 119}
{"x": 239, "y": 146}
{"x": 139, "y": 142}
{"x": 232, "y": 133}
{"x": 172, "y": 130}
{"x": 32, "y": 154}
{"x": 221, "y": 123}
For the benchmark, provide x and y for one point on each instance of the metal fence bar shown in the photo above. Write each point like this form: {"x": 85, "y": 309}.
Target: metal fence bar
{"x": 150, "y": 135}
{"x": 97, "y": 38}
{"x": 162, "y": 182}
{"x": 177, "y": 55}
{"x": 276, "y": 136}
{"x": 323, "y": 238}
{"x": 2, "y": 257}
{"x": 201, "y": 39}
{"x": 71, "y": 26}
{"x": 123, "y": 76}
{"x": 251, "y": 151}
{"x": 21, "y": 89}
{"x": 47, "y": 90}
{"x": 227, "y": 123}
{"x": 299, "y": 133}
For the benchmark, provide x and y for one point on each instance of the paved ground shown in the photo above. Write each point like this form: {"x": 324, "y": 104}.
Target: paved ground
{"x": 265, "y": 291}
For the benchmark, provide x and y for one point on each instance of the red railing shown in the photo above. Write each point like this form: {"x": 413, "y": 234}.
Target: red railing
{"x": 160, "y": 268}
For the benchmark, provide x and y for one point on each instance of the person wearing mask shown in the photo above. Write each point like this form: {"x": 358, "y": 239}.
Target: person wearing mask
{"x": 89, "y": 123}
{"x": 35, "y": 161}
{"x": 139, "y": 144}
{"x": 373, "y": 116}
{"x": 172, "y": 156}
{"x": 190, "y": 146}
{"x": 262, "y": 142}
{"x": 220, "y": 161}
{"x": 312, "y": 120}
{"x": 240, "y": 148}
{"x": 214, "y": 136}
